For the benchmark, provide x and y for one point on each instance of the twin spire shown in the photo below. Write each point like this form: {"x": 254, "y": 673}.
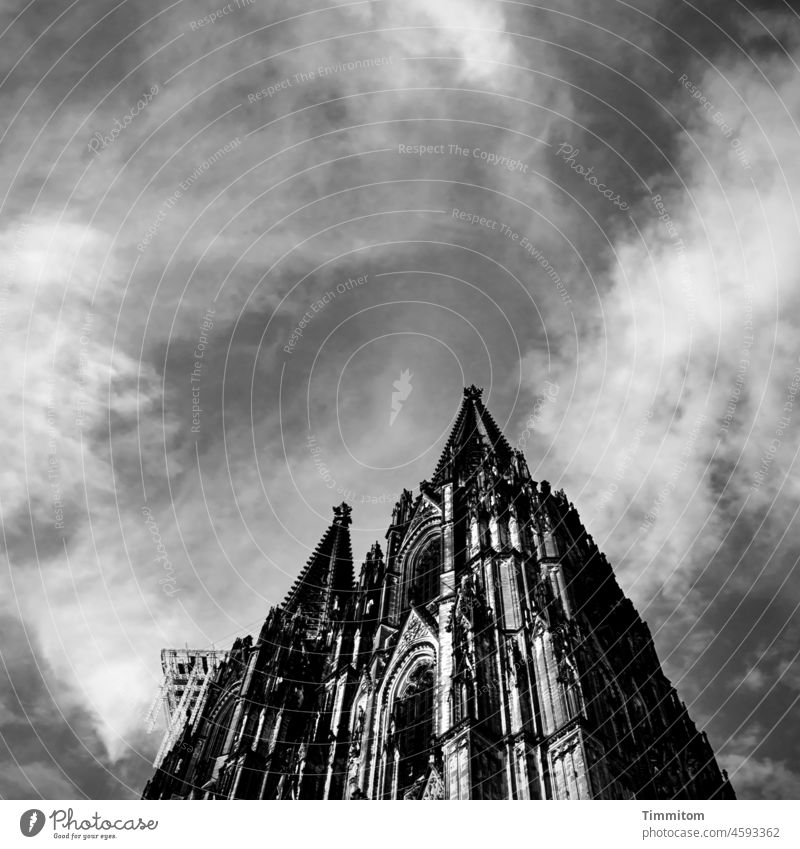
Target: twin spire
{"x": 328, "y": 575}
{"x": 329, "y": 571}
{"x": 474, "y": 435}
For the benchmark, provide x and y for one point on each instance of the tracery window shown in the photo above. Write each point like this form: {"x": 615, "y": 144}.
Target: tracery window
{"x": 414, "y": 728}
{"x": 425, "y": 577}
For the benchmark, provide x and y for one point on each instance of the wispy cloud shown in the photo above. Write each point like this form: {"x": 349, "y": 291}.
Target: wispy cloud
{"x": 668, "y": 328}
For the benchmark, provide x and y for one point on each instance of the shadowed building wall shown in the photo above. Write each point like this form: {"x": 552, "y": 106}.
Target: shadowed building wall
{"x": 487, "y": 653}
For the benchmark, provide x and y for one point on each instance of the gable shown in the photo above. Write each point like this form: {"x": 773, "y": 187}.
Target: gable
{"x": 418, "y": 625}
{"x": 425, "y": 510}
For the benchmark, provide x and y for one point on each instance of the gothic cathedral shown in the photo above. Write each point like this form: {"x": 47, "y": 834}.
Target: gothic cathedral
{"x": 487, "y": 653}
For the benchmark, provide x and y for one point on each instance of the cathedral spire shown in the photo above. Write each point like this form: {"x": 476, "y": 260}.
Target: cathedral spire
{"x": 493, "y": 618}
{"x": 474, "y": 437}
{"x": 323, "y": 586}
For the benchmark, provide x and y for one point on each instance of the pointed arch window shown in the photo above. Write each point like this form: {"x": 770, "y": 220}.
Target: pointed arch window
{"x": 426, "y": 567}
{"x": 414, "y": 726}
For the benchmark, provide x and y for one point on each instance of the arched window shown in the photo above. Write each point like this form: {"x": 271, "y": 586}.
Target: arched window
{"x": 414, "y": 729}
{"x": 425, "y": 575}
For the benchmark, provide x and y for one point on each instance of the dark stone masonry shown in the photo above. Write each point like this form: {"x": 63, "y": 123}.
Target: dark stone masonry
{"x": 486, "y": 651}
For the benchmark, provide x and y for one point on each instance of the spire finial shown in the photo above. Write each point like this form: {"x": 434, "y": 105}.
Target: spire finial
{"x": 473, "y": 393}
{"x": 341, "y": 514}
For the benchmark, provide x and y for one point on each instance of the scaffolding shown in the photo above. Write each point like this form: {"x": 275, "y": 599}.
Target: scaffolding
{"x": 182, "y": 694}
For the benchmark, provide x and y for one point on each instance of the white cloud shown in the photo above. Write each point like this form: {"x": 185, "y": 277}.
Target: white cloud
{"x": 676, "y": 327}
{"x": 472, "y": 30}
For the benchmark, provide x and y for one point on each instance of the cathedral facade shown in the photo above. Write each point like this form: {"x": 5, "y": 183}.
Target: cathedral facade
{"x": 485, "y": 651}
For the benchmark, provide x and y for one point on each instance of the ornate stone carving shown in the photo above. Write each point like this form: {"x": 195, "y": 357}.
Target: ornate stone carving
{"x": 345, "y": 703}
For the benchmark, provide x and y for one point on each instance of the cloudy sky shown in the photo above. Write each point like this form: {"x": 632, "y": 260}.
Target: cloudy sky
{"x": 227, "y": 230}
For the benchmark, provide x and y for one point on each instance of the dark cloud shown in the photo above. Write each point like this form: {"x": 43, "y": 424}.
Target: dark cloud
{"x": 265, "y": 172}
{"x": 51, "y": 748}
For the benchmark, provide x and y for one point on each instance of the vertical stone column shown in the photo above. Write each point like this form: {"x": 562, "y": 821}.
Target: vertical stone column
{"x": 447, "y": 591}
{"x": 339, "y": 733}
{"x": 457, "y": 771}
{"x": 569, "y": 769}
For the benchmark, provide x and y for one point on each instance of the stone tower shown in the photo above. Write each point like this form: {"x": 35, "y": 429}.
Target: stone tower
{"x": 489, "y": 653}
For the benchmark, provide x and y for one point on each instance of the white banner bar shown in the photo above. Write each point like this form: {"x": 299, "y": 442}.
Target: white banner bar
{"x": 392, "y": 825}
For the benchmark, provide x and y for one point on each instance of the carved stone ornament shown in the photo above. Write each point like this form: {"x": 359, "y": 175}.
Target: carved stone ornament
{"x": 412, "y": 632}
